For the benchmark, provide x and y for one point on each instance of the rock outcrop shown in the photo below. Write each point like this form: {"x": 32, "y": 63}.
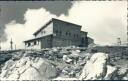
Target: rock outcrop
{"x": 28, "y": 68}
{"x": 62, "y": 64}
{"x": 111, "y": 73}
{"x": 95, "y": 68}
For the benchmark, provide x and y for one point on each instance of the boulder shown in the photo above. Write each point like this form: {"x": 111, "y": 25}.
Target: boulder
{"x": 125, "y": 77}
{"x": 46, "y": 69}
{"x": 122, "y": 73}
{"x": 67, "y": 59}
{"x": 111, "y": 73}
{"x": 8, "y": 64}
{"x": 31, "y": 74}
{"x": 28, "y": 68}
{"x": 95, "y": 68}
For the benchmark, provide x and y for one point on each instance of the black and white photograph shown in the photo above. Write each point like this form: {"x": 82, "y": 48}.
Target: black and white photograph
{"x": 64, "y": 40}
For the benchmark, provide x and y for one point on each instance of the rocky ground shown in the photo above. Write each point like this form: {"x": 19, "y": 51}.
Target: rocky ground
{"x": 67, "y": 63}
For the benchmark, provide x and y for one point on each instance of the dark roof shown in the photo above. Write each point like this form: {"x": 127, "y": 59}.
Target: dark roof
{"x": 50, "y": 22}
{"x": 66, "y": 22}
{"x": 37, "y": 38}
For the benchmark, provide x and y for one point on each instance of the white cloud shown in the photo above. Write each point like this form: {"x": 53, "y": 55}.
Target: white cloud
{"x": 35, "y": 18}
{"x": 105, "y": 21}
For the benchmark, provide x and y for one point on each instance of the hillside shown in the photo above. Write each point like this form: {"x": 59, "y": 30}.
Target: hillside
{"x": 72, "y": 63}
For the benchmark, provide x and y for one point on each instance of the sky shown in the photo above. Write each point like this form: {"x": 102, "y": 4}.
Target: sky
{"x": 105, "y": 21}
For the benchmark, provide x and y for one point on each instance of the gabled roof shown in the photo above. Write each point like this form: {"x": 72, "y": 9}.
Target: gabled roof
{"x": 66, "y": 22}
{"x": 42, "y": 27}
{"x": 50, "y": 22}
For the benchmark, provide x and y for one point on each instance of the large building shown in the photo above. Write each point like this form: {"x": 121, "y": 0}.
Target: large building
{"x": 58, "y": 33}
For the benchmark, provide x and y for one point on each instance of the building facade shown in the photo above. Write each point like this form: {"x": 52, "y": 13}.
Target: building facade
{"x": 58, "y": 33}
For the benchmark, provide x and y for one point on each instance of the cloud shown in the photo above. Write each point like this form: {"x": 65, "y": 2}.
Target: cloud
{"x": 104, "y": 21}
{"x": 34, "y": 19}
{"x": 15, "y": 11}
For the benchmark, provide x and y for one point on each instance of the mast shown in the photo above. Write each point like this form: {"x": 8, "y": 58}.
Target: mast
{"x": 11, "y": 44}
{"x": 118, "y": 41}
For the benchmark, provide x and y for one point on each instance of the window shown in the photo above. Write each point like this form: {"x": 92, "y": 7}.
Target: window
{"x": 29, "y": 44}
{"x": 66, "y": 33}
{"x": 56, "y": 31}
{"x": 60, "y": 32}
{"x": 82, "y": 40}
{"x": 77, "y": 35}
{"x": 69, "y": 34}
{"x": 74, "y": 35}
{"x": 35, "y": 42}
{"x": 38, "y": 42}
{"x": 43, "y": 32}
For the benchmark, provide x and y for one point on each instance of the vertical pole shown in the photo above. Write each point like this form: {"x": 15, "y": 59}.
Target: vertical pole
{"x": 0, "y": 45}
{"x": 11, "y": 43}
{"x": 127, "y": 34}
{"x": 127, "y": 23}
{"x": 118, "y": 41}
